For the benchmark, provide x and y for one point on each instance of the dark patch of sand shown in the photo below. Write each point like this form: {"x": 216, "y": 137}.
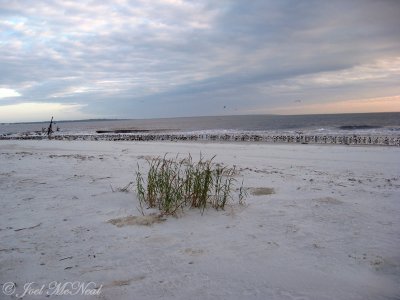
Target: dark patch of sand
{"x": 262, "y": 191}
{"x": 137, "y": 220}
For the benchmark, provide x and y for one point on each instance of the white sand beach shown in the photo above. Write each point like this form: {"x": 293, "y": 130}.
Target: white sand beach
{"x": 330, "y": 230}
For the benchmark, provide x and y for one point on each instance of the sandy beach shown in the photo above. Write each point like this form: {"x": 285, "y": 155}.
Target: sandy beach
{"x": 329, "y": 227}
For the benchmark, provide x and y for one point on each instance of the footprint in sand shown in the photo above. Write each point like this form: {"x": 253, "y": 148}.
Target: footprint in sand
{"x": 328, "y": 200}
{"x": 193, "y": 252}
{"x": 272, "y": 245}
{"x": 124, "y": 282}
{"x": 375, "y": 261}
{"x": 292, "y": 228}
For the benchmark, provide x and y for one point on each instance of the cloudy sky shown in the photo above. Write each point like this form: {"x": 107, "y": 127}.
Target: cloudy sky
{"x": 167, "y": 58}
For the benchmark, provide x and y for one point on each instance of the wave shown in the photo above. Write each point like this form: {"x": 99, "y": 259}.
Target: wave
{"x": 358, "y": 127}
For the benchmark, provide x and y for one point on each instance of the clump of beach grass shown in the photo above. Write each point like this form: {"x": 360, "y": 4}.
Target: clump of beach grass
{"x": 173, "y": 184}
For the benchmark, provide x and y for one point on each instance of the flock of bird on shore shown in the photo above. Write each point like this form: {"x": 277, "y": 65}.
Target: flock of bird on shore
{"x": 301, "y": 139}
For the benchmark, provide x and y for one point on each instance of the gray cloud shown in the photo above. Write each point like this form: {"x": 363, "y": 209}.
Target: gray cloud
{"x": 172, "y": 57}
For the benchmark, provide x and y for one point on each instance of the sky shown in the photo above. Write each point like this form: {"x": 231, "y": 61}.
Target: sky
{"x": 168, "y": 58}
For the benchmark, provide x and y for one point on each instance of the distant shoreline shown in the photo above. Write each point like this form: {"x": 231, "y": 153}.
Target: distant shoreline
{"x": 269, "y": 127}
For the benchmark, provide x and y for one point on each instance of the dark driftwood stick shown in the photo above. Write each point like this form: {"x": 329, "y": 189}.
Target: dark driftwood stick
{"x": 28, "y": 227}
{"x": 50, "y": 129}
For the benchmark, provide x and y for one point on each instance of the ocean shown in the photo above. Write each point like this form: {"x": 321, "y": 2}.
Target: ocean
{"x": 366, "y": 123}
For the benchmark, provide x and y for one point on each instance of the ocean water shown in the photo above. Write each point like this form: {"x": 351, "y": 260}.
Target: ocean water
{"x": 370, "y": 123}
